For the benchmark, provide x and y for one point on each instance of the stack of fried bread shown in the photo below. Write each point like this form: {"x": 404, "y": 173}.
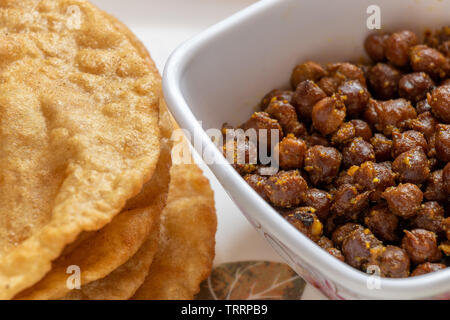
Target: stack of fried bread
{"x": 90, "y": 204}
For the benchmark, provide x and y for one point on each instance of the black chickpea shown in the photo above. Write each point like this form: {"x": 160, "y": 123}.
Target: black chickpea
{"x": 364, "y": 154}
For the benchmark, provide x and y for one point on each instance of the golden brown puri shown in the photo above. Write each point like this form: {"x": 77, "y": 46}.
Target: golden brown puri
{"x": 100, "y": 253}
{"x": 78, "y": 132}
{"x": 186, "y": 249}
{"x": 185, "y": 253}
{"x": 123, "y": 282}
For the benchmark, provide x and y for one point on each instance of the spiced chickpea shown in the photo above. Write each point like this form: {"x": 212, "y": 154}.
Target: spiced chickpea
{"x": 261, "y": 121}
{"x": 343, "y": 231}
{"x": 242, "y": 156}
{"x": 335, "y": 252}
{"x": 257, "y": 182}
{"x": 285, "y": 114}
{"x": 382, "y": 222}
{"x": 427, "y": 267}
{"x": 375, "y": 46}
{"x": 362, "y": 129}
{"x": 291, "y": 152}
{"x": 398, "y": 46}
{"x": 382, "y": 147}
{"x": 306, "y": 221}
{"x": 286, "y": 189}
{"x": 394, "y": 262}
{"x": 322, "y": 164}
{"x": 356, "y": 152}
{"x": 329, "y": 85}
{"x": 359, "y": 248}
{"x": 429, "y": 217}
{"x": 371, "y": 112}
{"x": 345, "y": 177}
{"x": 439, "y": 101}
{"x": 319, "y": 200}
{"x": 276, "y": 95}
{"x": 328, "y": 114}
{"x": 325, "y": 243}
{"x": 421, "y": 246}
{"x": 345, "y": 71}
{"x": 446, "y": 226}
{"x": 345, "y": 133}
{"x": 307, "y": 94}
{"x": 404, "y": 200}
{"x": 406, "y": 141}
{"x": 386, "y": 116}
{"x": 350, "y": 130}
{"x": 423, "y": 106}
{"x": 308, "y": 70}
{"x": 415, "y": 86}
{"x": 383, "y": 81}
{"x": 436, "y": 190}
{"x": 429, "y": 60}
{"x": 355, "y": 97}
{"x": 444, "y": 246}
{"x": 338, "y": 73}
{"x": 349, "y": 202}
{"x": 316, "y": 139}
{"x": 425, "y": 123}
{"x": 374, "y": 177}
{"x": 412, "y": 166}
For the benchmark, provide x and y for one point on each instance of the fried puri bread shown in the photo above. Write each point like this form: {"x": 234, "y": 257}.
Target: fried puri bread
{"x": 189, "y": 192}
{"x": 79, "y": 131}
{"x": 127, "y": 242}
{"x": 185, "y": 252}
{"x": 186, "y": 247}
{"x": 98, "y": 255}
{"x": 123, "y": 282}
{"x": 187, "y": 232}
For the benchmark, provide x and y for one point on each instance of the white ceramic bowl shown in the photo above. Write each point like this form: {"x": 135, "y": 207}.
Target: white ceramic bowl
{"x": 220, "y": 75}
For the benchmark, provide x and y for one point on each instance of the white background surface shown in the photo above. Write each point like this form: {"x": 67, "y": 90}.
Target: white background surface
{"x": 162, "y": 25}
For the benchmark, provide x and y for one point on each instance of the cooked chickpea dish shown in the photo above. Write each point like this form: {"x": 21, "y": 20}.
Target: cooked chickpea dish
{"x": 364, "y": 154}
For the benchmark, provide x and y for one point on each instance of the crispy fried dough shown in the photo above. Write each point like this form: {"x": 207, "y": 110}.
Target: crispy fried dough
{"x": 185, "y": 253}
{"x": 159, "y": 183}
{"x": 100, "y": 253}
{"x": 190, "y": 195}
{"x": 186, "y": 248}
{"x": 123, "y": 282}
{"x": 98, "y": 256}
{"x": 78, "y": 130}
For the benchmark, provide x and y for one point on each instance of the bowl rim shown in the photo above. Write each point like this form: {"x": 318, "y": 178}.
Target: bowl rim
{"x": 355, "y": 281}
